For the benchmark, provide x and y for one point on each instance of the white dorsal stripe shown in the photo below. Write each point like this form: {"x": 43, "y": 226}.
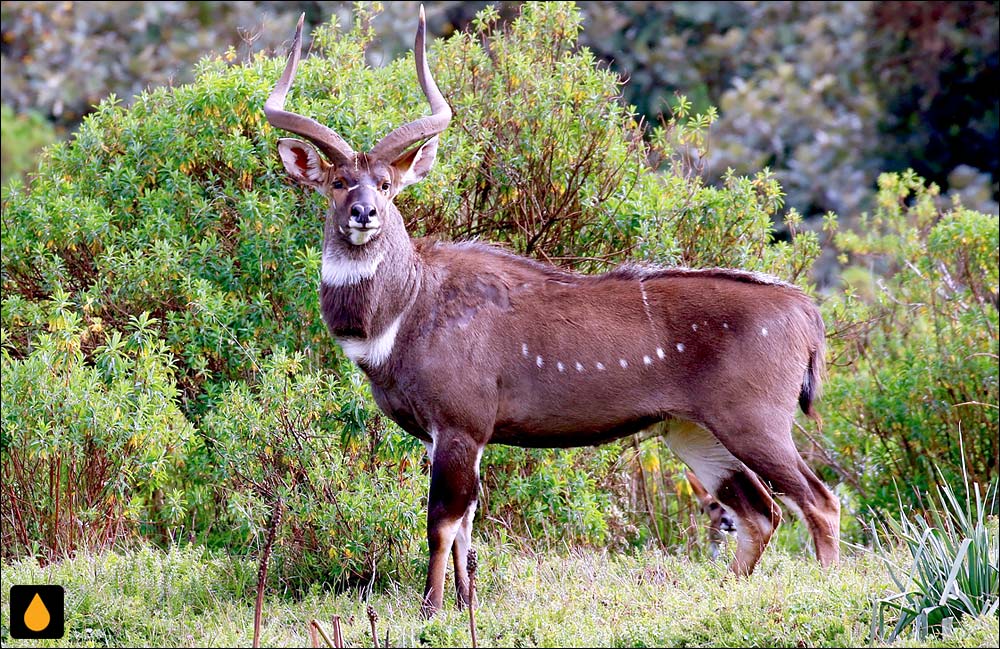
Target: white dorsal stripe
{"x": 373, "y": 351}
{"x": 338, "y": 271}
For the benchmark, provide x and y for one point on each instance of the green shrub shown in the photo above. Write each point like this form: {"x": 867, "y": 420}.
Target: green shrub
{"x": 91, "y": 435}
{"x": 919, "y": 347}
{"x": 304, "y": 442}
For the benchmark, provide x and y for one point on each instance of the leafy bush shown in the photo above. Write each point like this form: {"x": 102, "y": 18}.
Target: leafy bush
{"x": 918, "y": 331}
{"x": 955, "y": 570}
{"x": 348, "y": 494}
{"x": 561, "y": 498}
{"x": 803, "y": 87}
{"x": 91, "y": 434}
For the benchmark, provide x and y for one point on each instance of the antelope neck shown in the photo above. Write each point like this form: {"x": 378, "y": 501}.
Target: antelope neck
{"x": 365, "y": 299}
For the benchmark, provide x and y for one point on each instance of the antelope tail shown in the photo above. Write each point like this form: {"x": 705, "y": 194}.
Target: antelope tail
{"x": 814, "y": 370}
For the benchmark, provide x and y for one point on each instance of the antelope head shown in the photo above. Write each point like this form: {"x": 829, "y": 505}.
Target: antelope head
{"x": 359, "y": 186}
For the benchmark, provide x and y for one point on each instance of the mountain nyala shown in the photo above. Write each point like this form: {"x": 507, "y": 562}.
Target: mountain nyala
{"x": 466, "y": 344}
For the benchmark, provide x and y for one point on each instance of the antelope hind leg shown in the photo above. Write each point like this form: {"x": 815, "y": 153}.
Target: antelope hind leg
{"x": 726, "y": 478}
{"x": 768, "y": 450}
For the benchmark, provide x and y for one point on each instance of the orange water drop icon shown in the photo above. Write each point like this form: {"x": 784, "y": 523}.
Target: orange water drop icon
{"x": 37, "y": 617}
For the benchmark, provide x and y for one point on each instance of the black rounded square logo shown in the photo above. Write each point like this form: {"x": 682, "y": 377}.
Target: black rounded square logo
{"x": 37, "y": 612}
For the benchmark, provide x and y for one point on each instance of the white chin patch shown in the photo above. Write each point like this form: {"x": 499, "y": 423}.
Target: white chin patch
{"x": 361, "y": 236}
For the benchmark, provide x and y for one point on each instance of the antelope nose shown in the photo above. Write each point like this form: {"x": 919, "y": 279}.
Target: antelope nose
{"x": 363, "y": 213}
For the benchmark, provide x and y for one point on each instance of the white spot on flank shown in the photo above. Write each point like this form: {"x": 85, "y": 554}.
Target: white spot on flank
{"x": 647, "y": 360}
{"x": 763, "y": 332}
{"x": 623, "y": 363}
{"x": 659, "y": 352}
{"x": 579, "y": 366}
{"x": 539, "y": 361}
{"x": 694, "y": 327}
{"x": 725, "y": 325}
{"x": 599, "y": 366}
{"x": 338, "y": 271}
{"x": 524, "y": 349}
{"x": 560, "y": 366}
{"x": 373, "y": 351}
{"x": 680, "y": 347}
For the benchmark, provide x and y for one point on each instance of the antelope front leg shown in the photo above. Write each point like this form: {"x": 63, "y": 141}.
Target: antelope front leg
{"x": 460, "y": 556}
{"x": 454, "y": 484}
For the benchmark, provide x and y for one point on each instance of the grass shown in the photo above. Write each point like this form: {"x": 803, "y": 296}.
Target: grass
{"x": 190, "y": 596}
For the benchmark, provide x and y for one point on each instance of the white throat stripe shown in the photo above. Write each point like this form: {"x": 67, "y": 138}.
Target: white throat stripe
{"x": 338, "y": 271}
{"x": 373, "y": 351}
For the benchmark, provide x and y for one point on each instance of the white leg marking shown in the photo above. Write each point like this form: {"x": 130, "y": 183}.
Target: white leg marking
{"x": 790, "y": 504}
{"x": 699, "y": 449}
{"x": 463, "y": 539}
{"x": 373, "y": 351}
{"x": 430, "y": 445}
{"x": 338, "y": 271}
{"x": 680, "y": 347}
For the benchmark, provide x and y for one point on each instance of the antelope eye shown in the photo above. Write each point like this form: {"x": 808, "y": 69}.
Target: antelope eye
{"x": 338, "y": 184}
{"x": 385, "y": 185}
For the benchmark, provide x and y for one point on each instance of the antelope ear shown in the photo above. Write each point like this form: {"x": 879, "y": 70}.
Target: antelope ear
{"x": 416, "y": 163}
{"x": 303, "y": 162}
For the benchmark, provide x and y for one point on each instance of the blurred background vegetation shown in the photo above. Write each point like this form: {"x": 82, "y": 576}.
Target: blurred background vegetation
{"x": 166, "y": 373}
{"x": 825, "y": 94}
